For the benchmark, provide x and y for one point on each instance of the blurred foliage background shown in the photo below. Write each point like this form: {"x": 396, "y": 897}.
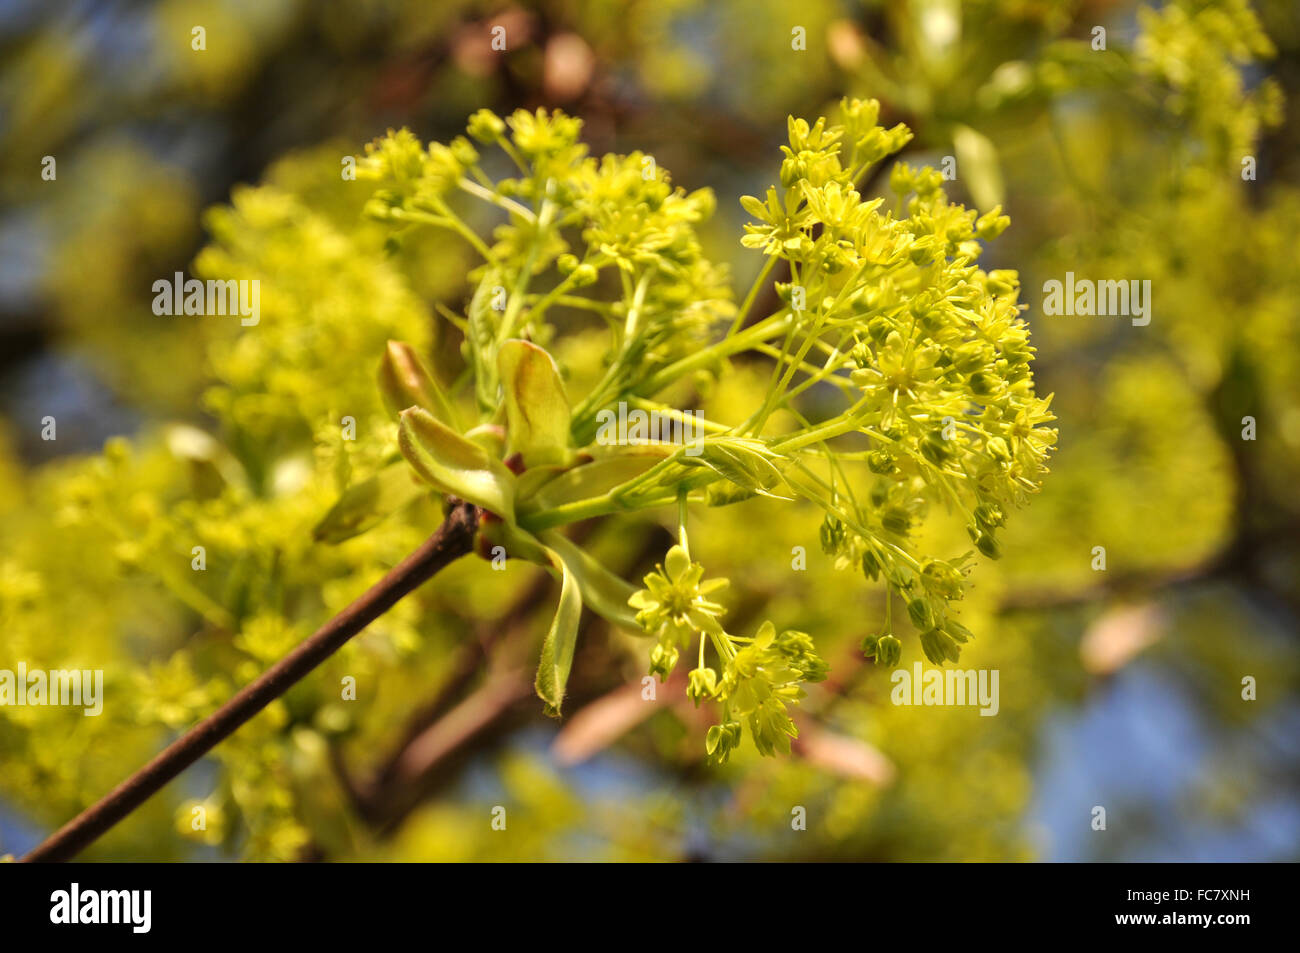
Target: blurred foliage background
{"x": 1120, "y": 688}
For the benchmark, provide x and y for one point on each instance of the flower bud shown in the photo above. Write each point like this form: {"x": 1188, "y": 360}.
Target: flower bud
{"x": 463, "y": 152}
{"x": 896, "y": 520}
{"x": 888, "y": 651}
{"x": 721, "y": 740}
{"x": 486, "y": 126}
{"x": 382, "y": 205}
{"x": 984, "y": 542}
{"x": 871, "y": 565}
{"x": 921, "y": 614}
{"x": 1003, "y": 281}
{"x": 404, "y": 382}
{"x": 714, "y": 739}
{"x": 924, "y": 302}
{"x": 832, "y": 536}
{"x": 801, "y": 652}
{"x": 1016, "y": 351}
{"x": 792, "y": 170}
{"x": 970, "y": 357}
{"x": 701, "y": 683}
{"x": 880, "y": 461}
{"x": 985, "y": 384}
{"x": 859, "y": 115}
{"x": 935, "y": 448}
{"x": 939, "y": 647}
{"x": 991, "y": 224}
{"x": 878, "y": 328}
{"x": 901, "y": 178}
{"x": 928, "y": 181}
{"x": 705, "y": 202}
{"x": 663, "y": 661}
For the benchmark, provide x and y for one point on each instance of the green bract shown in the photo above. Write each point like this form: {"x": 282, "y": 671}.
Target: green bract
{"x": 886, "y": 314}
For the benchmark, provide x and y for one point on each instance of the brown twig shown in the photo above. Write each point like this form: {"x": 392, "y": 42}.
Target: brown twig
{"x": 471, "y": 661}
{"x": 453, "y": 539}
{"x": 431, "y": 762}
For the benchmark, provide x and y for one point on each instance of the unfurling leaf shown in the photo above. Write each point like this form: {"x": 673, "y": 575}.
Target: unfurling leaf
{"x": 604, "y": 593}
{"x": 977, "y": 157}
{"x": 456, "y": 465}
{"x": 557, "y": 650}
{"x": 404, "y": 382}
{"x": 366, "y": 504}
{"x": 746, "y": 463}
{"x": 537, "y": 412}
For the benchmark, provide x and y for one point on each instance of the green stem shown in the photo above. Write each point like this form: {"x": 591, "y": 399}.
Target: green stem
{"x": 526, "y": 273}
{"x": 753, "y": 294}
{"x": 487, "y": 195}
{"x": 842, "y": 424}
{"x": 448, "y": 219}
{"x": 565, "y": 513}
{"x": 634, "y": 310}
{"x": 712, "y": 426}
{"x": 732, "y": 344}
{"x": 681, "y": 521}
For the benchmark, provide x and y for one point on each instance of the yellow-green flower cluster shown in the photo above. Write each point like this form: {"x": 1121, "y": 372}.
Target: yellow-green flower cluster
{"x": 886, "y": 308}
{"x": 675, "y": 606}
{"x": 927, "y": 349}
{"x": 639, "y": 263}
{"x": 1196, "y": 52}
{"x": 760, "y": 676}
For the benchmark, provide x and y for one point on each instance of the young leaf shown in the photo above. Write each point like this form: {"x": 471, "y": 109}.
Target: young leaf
{"x": 455, "y": 465}
{"x": 534, "y": 479}
{"x": 366, "y": 504}
{"x": 978, "y": 159}
{"x": 537, "y": 412}
{"x": 604, "y": 593}
{"x": 404, "y": 382}
{"x": 557, "y": 650}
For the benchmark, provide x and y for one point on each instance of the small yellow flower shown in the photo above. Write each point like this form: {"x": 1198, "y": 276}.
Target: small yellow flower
{"x": 675, "y": 605}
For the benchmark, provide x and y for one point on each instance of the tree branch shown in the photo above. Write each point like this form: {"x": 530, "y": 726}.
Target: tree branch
{"x": 471, "y": 661}
{"x": 418, "y": 767}
{"x": 453, "y": 539}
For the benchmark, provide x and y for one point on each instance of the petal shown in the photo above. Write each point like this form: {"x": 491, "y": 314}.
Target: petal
{"x": 676, "y": 563}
